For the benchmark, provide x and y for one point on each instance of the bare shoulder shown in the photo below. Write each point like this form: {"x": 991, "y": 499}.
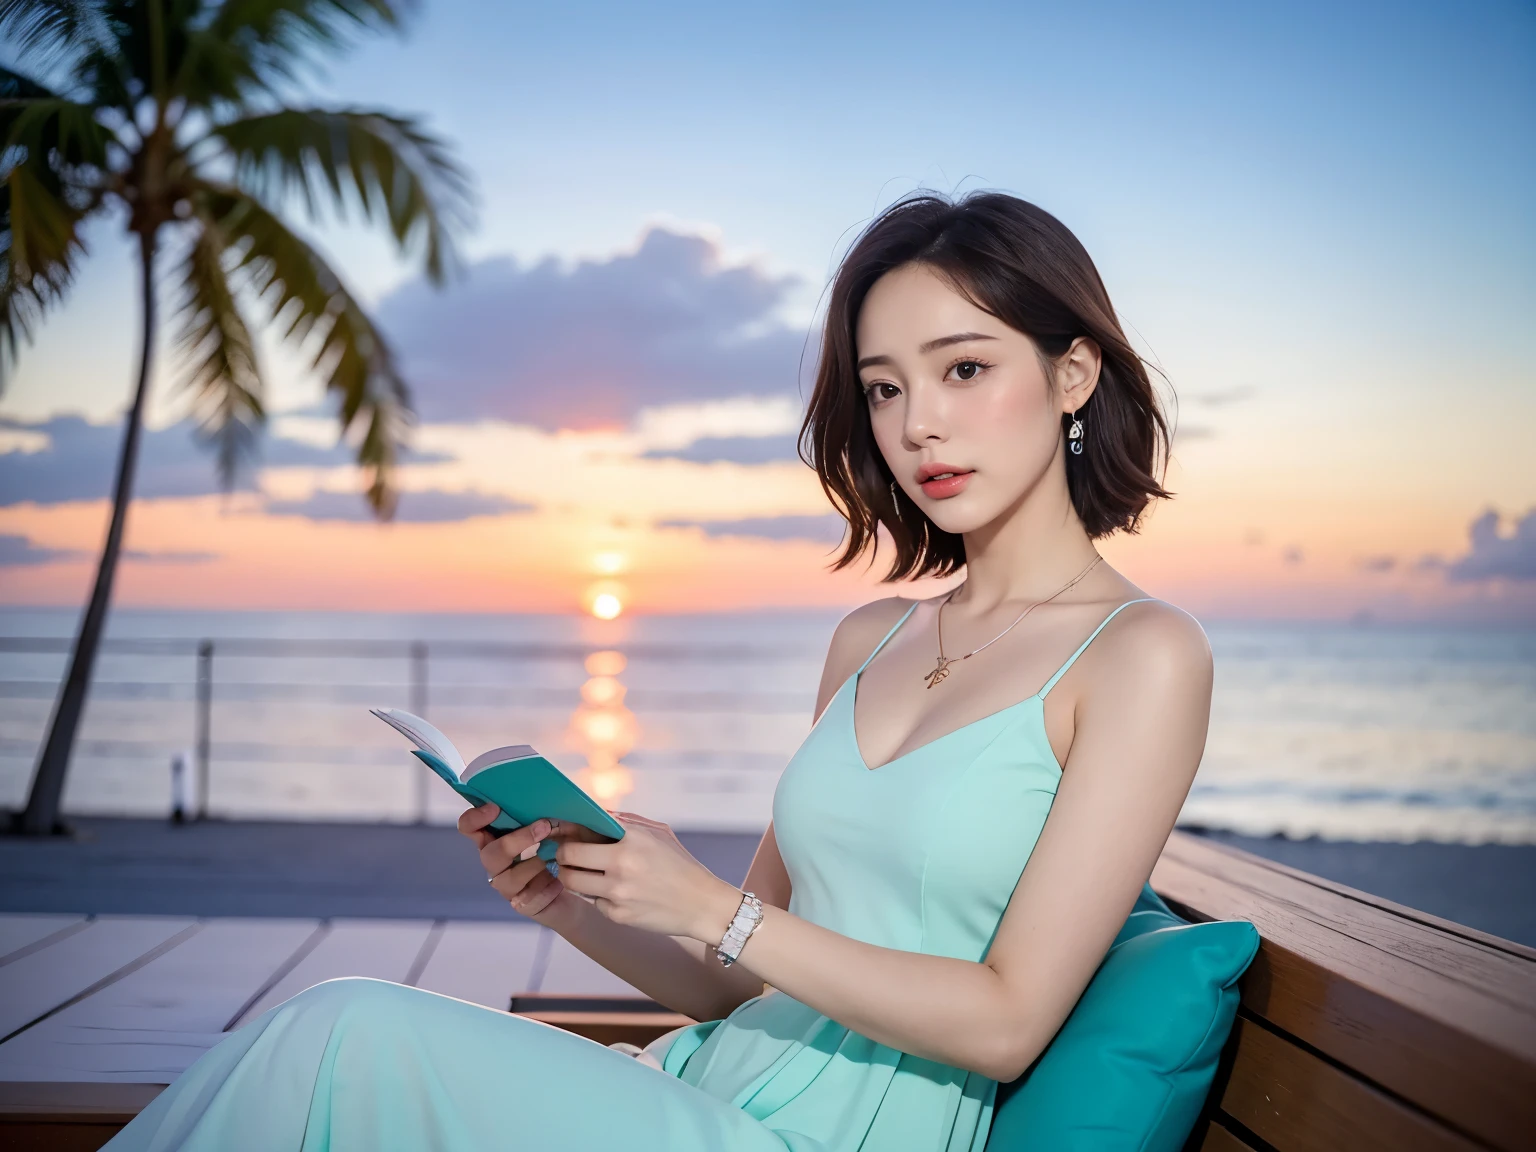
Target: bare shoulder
{"x": 859, "y": 631}
{"x": 1153, "y": 643}
{"x": 854, "y": 640}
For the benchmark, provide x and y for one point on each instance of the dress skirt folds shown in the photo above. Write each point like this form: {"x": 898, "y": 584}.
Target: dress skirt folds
{"x": 373, "y": 1066}
{"x": 921, "y": 854}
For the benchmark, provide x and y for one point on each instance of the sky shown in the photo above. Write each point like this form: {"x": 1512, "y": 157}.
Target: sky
{"x": 1314, "y": 219}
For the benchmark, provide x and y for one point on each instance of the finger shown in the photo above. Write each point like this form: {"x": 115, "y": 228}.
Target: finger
{"x": 513, "y": 846}
{"x": 510, "y": 881}
{"x": 537, "y": 895}
{"x": 585, "y": 883}
{"x": 635, "y": 820}
{"x": 472, "y": 820}
{"x": 505, "y": 850}
{"x": 595, "y": 857}
{"x": 569, "y": 832}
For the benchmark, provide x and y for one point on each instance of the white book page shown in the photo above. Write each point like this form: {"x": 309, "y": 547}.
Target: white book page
{"x": 496, "y": 756}
{"x": 423, "y": 735}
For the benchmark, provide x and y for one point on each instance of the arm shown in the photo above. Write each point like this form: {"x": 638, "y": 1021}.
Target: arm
{"x": 1139, "y": 732}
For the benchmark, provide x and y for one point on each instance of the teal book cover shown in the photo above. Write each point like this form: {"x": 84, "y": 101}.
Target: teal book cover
{"x": 517, "y": 779}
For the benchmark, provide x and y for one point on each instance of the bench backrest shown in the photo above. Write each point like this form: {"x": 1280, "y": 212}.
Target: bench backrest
{"x": 1364, "y": 1025}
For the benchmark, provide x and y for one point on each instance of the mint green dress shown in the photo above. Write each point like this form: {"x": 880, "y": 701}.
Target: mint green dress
{"x": 920, "y": 854}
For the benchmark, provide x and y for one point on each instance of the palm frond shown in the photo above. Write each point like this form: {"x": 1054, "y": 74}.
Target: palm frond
{"x": 257, "y": 46}
{"x": 15, "y": 86}
{"x": 45, "y": 30}
{"x": 308, "y": 301}
{"x": 295, "y": 26}
{"x": 52, "y": 156}
{"x": 224, "y": 373}
{"x": 39, "y": 249}
{"x": 108, "y": 75}
{"x": 61, "y": 135}
{"x": 384, "y": 163}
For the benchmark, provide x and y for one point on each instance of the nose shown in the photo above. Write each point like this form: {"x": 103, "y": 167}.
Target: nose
{"x": 926, "y": 420}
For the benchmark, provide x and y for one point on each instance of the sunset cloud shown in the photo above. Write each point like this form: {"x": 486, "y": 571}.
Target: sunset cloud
{"x": 827, "y": 529}
{"x": 431, "y": 506}
{"x": 679, "y": 426}
{"x": 1494, "y": 556}
{"x": 18, "y": 550}
{"x": 68, "y": 458}
{"x": 594, "y": 343}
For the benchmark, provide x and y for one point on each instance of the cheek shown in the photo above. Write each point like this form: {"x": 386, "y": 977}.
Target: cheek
{"x": 1014, "y": 424}
{"x": 886, "y": 424}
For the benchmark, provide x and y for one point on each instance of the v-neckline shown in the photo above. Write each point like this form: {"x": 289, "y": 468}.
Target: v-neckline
{"x": 853, "y": 727}
{"x": 853, "y": 703}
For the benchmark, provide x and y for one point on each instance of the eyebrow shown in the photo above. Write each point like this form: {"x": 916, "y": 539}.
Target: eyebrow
{"x": 930, "y": 346}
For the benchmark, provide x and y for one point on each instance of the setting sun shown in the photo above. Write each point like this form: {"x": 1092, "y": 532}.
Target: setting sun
{"x": 606, "y": 606}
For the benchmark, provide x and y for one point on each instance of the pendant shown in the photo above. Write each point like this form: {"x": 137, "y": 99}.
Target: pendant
{"x": 940, "y": 671}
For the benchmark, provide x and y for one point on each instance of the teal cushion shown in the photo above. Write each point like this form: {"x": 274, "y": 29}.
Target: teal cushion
{"x": 1131, "y": 1066}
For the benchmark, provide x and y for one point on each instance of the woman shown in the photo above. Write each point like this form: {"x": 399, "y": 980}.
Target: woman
{"x": 978, "y": 400}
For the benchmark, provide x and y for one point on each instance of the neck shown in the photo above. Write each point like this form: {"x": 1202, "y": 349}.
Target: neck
{"x": 1029, "y": 551}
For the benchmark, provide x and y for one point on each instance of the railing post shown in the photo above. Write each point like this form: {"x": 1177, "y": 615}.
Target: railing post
{"x": 419, "y": 706}
{"x": 204, "y": 723}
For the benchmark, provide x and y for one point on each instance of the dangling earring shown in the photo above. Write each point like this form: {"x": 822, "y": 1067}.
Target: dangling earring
{"x": 895, "y": 503}
{"x": 1075, "y": 435}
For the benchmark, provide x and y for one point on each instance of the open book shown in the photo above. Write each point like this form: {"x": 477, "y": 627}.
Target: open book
{"x": 523, "y": 784}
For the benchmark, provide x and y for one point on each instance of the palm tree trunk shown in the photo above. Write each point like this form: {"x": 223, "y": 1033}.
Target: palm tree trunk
{"x": 41, "y": 817}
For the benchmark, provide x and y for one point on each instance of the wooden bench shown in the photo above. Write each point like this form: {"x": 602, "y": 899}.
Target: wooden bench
{"x": 1363, "y": 1026}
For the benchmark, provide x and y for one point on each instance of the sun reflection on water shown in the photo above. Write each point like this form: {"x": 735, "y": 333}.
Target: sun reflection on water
{"x": 604, "y": 729}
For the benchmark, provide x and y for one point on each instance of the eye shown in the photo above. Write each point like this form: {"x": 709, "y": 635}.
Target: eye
{"x": 881, "y": 391}
{"x": 967, "y": 369}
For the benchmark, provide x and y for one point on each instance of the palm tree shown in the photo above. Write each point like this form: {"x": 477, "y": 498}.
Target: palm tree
{"x": 174, "y": 115}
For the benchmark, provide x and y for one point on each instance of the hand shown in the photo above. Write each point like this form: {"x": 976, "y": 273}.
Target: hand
{"x": 516, "y": 873}
{"x": 648, "y": 880}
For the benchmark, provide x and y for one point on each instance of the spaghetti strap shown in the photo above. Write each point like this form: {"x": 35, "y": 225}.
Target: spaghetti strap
{"x": 1072, "y": 659}
{"x": 888, "y": 635}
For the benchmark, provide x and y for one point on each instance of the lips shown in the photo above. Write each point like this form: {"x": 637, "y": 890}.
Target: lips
{"x": 939, "y": 481}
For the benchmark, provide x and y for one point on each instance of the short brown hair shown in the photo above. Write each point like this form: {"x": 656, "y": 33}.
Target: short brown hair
{"x": 1025, "y": 267}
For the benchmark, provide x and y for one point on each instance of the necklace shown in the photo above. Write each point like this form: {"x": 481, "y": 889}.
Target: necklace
{"x": 941, "y": 669}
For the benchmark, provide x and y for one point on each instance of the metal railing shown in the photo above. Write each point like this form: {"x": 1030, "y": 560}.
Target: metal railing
{"x": 416, "y": 656}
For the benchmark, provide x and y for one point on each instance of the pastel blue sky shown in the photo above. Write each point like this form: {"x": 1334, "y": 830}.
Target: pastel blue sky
{"x": 1316, "y": 217}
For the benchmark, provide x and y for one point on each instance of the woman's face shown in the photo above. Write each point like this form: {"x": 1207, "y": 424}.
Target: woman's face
{"x": 960, "y": 403}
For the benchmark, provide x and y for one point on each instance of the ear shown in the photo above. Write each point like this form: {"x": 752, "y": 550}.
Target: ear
{"x": 1077, "y": 373}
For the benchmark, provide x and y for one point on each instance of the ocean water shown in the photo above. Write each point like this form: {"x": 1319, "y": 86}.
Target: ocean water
{"x": 1346, "y": 732}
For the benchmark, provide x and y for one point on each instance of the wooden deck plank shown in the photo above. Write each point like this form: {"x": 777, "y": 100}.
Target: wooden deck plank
{"x": 148, "y": 1027}
{"x": 483, "y": 963}
{"x": 72, "y": 1102}
{"x": 68, "y": 1117}
{"x": 571, "y": 972}
{"x": 383, "y": 949}
{"x": 23, "y": 930}
{"x": 46, "y": 979}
